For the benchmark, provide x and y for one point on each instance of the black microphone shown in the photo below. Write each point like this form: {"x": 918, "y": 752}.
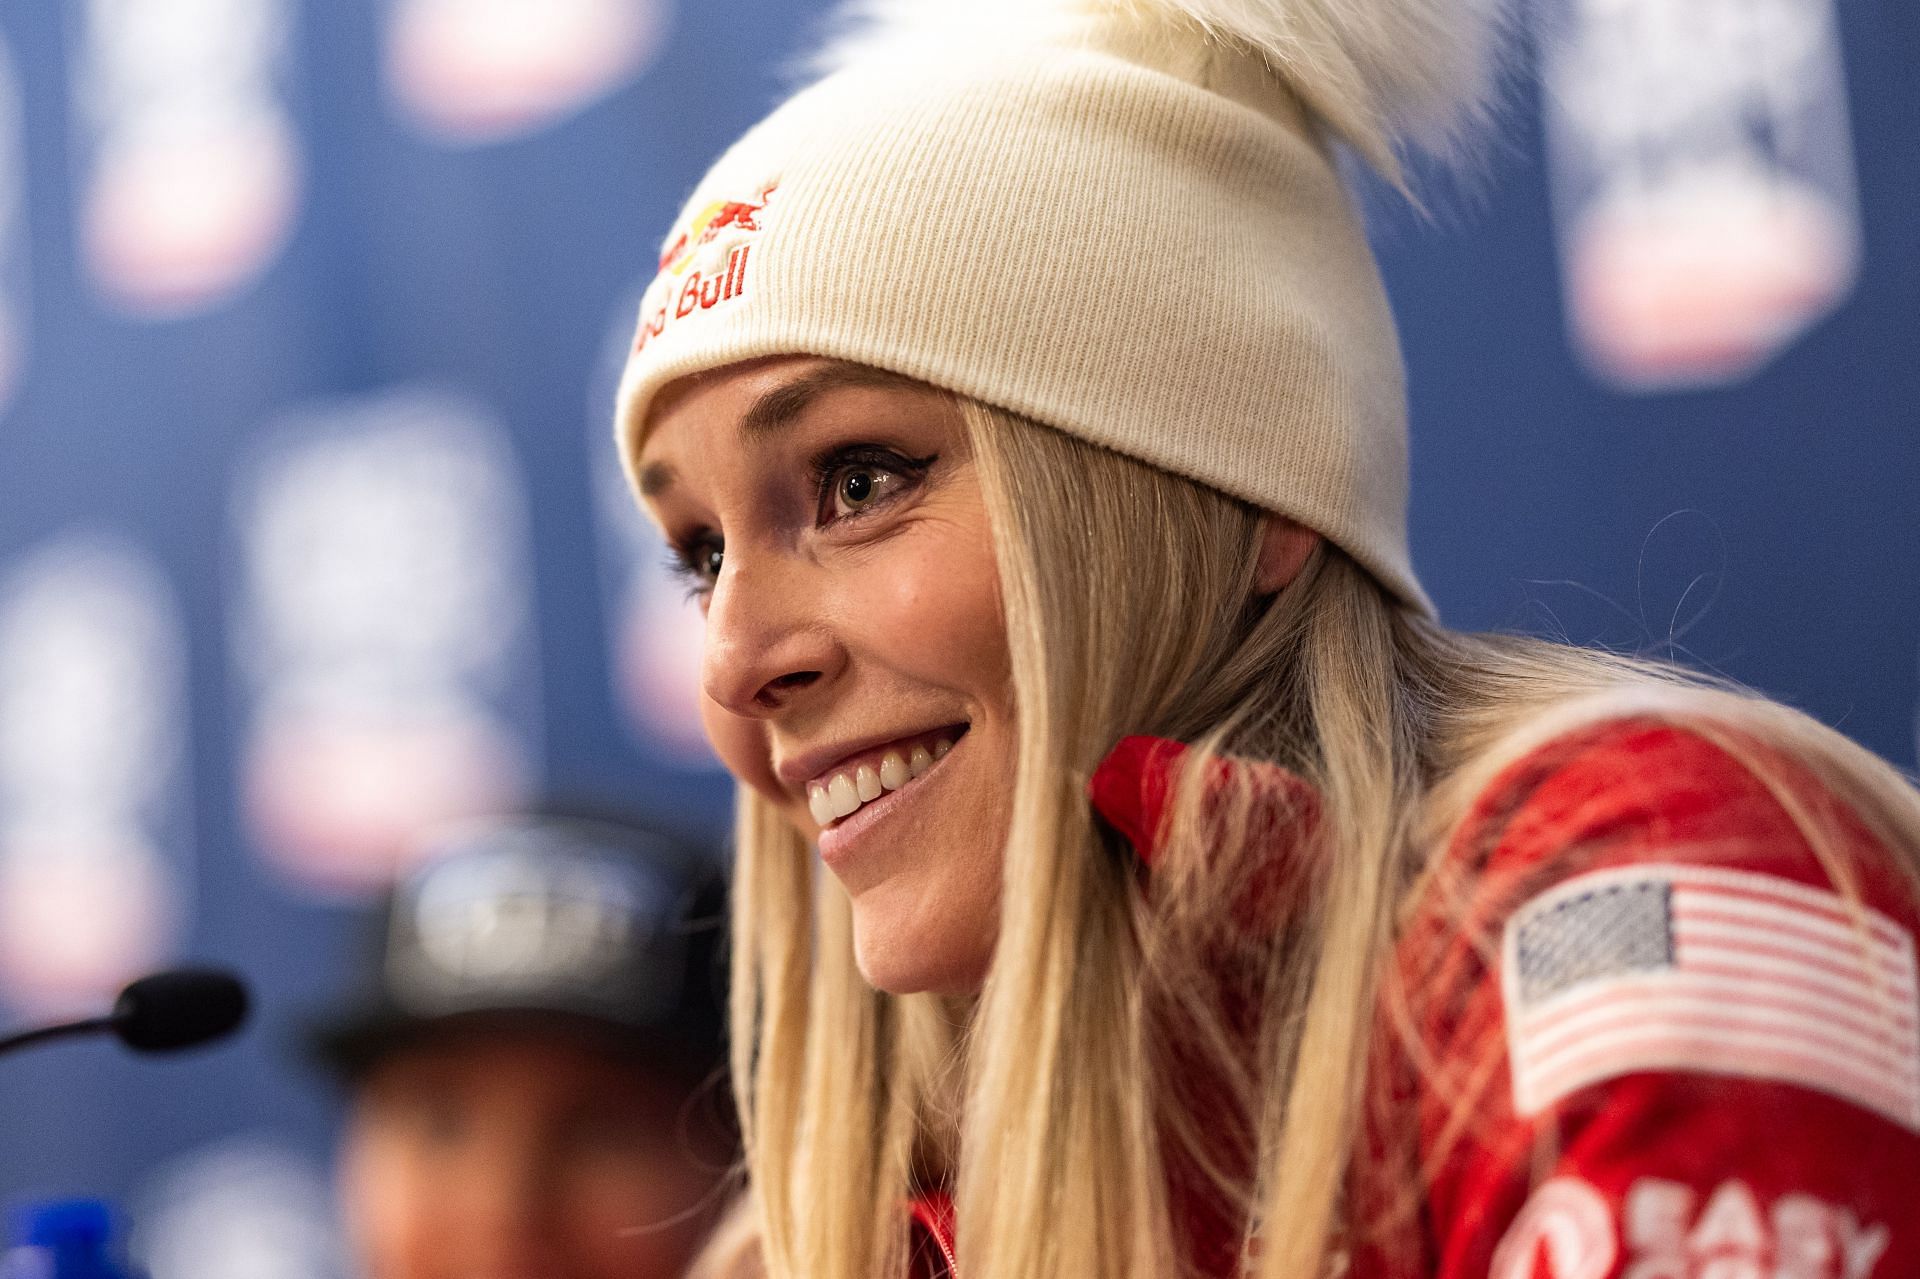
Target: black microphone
{"x": 159, "y": 1013}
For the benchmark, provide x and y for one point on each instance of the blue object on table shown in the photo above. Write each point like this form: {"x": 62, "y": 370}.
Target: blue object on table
{"x": 64, "y": 1239}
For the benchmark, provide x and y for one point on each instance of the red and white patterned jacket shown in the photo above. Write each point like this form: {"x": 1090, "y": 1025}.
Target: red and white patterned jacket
{"x": 1679, "y": 1050}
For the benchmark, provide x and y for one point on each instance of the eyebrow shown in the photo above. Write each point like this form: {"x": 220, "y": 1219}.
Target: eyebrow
{"x": 784, "y": 403}
{"x": 780, "y": 406}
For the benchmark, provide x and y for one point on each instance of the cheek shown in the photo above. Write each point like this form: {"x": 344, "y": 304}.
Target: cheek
{"x": 935, "y": 617}
{"x": 743, "y": 750}
{"x": 385, "y": 1211}
{"x": 931, "y": 610}
{"x": 632, "y": 1220}
{"x": 741, "y": 746}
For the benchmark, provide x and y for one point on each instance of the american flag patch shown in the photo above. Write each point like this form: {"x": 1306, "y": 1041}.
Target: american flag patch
{"x": 1689, "y": 968}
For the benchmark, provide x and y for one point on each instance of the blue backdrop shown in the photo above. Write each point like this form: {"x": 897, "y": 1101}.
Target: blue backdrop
{"x": 309, "y": 316}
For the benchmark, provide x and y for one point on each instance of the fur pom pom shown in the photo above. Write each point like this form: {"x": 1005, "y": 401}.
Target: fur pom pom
{"x": 1382, "y": 75}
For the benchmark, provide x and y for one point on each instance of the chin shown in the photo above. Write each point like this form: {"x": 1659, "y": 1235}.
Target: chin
{"x": 901, "y": 954}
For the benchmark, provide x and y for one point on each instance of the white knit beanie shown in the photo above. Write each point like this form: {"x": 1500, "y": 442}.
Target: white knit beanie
{"x": 1119, "y": 219}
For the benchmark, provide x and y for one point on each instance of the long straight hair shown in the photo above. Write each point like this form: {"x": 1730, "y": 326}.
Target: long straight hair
{"x": 1054, "y": 1105}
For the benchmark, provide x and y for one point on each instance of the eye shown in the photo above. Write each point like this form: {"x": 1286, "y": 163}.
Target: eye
{"x": 862, "y": 478}
{"x": 858, "y": 487}
{"x": 697, "y": 561}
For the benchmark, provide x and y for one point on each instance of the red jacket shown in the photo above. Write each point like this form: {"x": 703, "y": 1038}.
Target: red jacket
{"x": 1680, "y": 1052}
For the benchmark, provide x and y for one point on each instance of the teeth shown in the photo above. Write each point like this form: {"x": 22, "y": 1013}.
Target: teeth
{"x": 845, "y": 792}
{"x": 845, "y": 799}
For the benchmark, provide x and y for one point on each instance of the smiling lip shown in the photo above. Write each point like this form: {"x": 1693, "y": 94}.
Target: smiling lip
{"x": 818, "y": 767}
{"x": 838, "y": 843}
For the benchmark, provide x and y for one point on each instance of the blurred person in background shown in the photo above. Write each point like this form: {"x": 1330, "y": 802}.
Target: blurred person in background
{"x": 530, "y": 1056}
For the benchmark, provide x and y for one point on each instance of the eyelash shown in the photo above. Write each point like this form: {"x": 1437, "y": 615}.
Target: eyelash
{"x": 684, "y": 561}
{"x": 687, "y": 557}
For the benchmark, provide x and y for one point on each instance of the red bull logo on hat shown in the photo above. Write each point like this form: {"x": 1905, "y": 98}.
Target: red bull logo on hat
{"x": 705, "y": 263}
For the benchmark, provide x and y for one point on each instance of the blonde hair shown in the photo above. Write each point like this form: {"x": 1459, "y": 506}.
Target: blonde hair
{"x": 1130, "y": 607}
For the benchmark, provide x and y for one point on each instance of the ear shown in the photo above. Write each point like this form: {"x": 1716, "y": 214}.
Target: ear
{"x": 1284, "y": 547}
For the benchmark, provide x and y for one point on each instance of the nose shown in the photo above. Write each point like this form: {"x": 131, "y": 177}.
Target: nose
{"x": 766, "y": 641}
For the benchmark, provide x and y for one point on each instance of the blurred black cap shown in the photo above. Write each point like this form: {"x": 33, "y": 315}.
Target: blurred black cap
{"x": 608, "y": 927}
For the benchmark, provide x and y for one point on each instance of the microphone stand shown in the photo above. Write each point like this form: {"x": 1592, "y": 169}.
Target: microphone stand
{"x": 91, "y": 1026}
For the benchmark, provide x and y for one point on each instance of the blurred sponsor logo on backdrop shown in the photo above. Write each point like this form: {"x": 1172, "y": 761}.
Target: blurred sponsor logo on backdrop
{"x": 383, "y": 632}
{"x": 1703, "y": 184}
{"x": 246, "y": 1207}
{"x": 13, "y": 230}
{"x": 476, "y": 71}
{"x": 95, "y": 826}
{"x": 654, "y": 630}
{"x": 191, "y": 173}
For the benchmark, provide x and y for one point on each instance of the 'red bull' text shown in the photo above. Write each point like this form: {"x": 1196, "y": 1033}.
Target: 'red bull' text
{"x": 697, "y": 293}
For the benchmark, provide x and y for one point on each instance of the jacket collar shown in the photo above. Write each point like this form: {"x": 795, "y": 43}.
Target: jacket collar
{"x": 930, "y": 1236}
{"x": 1133, "y": 791}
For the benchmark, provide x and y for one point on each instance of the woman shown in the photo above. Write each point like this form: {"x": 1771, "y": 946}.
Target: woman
{"x": 1022, "y": 404}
